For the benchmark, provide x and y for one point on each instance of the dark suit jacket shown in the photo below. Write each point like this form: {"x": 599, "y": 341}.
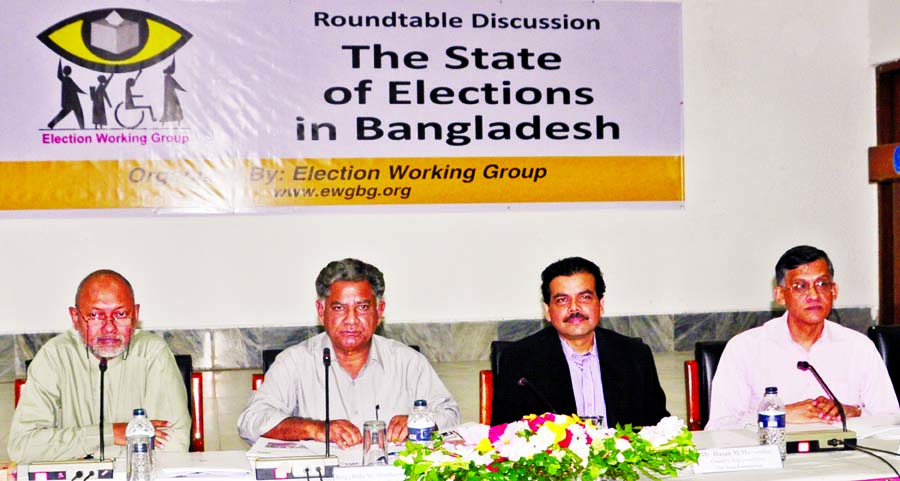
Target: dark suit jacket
{"x": 631, "y": 388}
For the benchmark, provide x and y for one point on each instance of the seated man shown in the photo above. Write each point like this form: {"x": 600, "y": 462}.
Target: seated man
{"x": 768, "y": 355}
{"x": 58, "y": 414}
{"x": 574, "y": 366}
{"x": 370, "y": 371}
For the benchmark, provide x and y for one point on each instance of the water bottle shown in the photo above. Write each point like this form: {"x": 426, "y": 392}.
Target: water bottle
{"x": 420, "y": 422}
{"x": 771, "y": 419}
{"x": 141, "y": 437}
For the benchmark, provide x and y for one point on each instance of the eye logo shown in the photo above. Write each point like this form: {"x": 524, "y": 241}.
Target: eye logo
{"x": 115, "y": 39}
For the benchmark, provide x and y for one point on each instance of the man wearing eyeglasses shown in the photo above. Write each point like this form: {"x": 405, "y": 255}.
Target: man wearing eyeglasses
{"x": 370, "y": 376}
{"x": 768, "y": 355}
{"x": 57, "y": 417}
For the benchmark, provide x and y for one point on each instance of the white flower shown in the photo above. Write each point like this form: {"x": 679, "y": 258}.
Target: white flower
{"x": 542, "y": 439}
{"x": 664, "y": 432}
{"x": 623, "y": 444}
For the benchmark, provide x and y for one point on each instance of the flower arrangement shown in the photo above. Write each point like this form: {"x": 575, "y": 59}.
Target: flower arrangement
{"x": 555, "y": 447}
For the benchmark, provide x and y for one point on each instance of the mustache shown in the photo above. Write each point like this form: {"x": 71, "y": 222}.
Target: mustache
{"x": 575, "y": 315}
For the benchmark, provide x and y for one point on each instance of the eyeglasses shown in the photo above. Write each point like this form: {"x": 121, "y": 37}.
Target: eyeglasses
{"x": 802, "y": 287}
{"x": 121, "y": 318}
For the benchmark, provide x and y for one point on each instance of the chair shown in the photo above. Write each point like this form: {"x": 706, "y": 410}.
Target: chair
{"x": 485, "y": 395}
{"x": 17, "y": 391}
{"x": 497, "y": 348}
{"x": 486, "y": 382}
{"x": 193, "y": 383}
{"x": 268, "y": 358}
{"x": 698, "y": 376}
{"x": 17, "y": 385}
{"x": 887, "y": 342}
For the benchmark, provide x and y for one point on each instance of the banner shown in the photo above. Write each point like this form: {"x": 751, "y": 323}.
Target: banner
{"x": 231, "y": 106}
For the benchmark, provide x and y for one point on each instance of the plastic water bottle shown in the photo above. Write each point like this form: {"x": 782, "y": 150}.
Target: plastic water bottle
{"x": 420, "y": 422}
{"x": 771, "y": 419}
{"x": 141, "y": 437}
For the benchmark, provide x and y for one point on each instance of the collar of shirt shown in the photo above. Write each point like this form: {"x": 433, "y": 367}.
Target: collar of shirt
{"x": 376, "y": 353}
{"x": 778, "y": 331}
{"x": 577, "y": 358}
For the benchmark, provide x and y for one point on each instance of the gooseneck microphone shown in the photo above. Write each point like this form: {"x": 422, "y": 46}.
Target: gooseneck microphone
{"x": 103, "y": 363}
{"x": 805, "y": 366}
{"x": 326, "y": 360}
{"x": 525, "y": 382}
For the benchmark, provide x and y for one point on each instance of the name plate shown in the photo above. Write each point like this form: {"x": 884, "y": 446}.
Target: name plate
{"x": 746, "y": 458}
{"x": 369, "y": 473}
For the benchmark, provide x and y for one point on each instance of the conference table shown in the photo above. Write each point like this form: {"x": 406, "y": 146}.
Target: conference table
{"x": 881, "y": 433}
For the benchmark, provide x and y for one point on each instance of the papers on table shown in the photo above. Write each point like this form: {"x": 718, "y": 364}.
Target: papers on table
{"x": 265, "y": 448}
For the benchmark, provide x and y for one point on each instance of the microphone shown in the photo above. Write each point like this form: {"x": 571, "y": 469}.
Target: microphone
{"x": 103, "y": 364}
{"x": 525, "y": 382}
{"x": 805, "y": 366}
{"x": 819, "y": 440}
{"x": 326, "y": 360}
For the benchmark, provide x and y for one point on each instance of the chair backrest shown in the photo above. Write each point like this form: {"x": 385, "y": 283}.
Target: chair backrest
{"x": 268, "y": 358}
{"x": 707, "y": 354}
{"x": 485, "y": 396}
{"x": 193, "y": 384}
{"x": 887, "y": 342}
{"x": 497, "y": 348}
{"x": 17, "y": 385}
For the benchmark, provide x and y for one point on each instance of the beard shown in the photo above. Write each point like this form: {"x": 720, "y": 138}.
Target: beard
{"x": 109, "y": 350}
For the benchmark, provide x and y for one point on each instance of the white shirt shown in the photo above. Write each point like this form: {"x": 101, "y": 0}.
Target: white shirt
{"x": 394, "y": 376}
{"x": 767, "y": 356}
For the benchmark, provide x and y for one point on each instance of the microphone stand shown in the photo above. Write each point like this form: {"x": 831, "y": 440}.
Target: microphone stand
{"x": 103, "y": 364}
{"x": 805, "y": 366}
{"x": 525, "y": 382}
{"x": 829, "y": 440}
{"x": 326, "y": 360}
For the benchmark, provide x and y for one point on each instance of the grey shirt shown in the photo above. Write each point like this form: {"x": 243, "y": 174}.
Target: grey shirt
{"x": 394, "y": 376}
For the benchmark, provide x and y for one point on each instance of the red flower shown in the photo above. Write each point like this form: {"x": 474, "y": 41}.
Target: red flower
{"x": 567, "y": 441}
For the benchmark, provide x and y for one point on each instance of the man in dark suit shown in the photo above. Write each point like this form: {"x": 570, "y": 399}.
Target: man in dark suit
{"x": 576, "y": 366}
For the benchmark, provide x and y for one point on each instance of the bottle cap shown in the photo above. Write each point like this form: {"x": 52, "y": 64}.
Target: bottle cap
{"x": 139, "y": 412}
{"x": 420, "y": 402}
{"x": 771, "y": 390}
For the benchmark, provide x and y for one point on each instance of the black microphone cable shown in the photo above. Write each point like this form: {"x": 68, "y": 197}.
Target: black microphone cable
{"x": 868, "y": 451}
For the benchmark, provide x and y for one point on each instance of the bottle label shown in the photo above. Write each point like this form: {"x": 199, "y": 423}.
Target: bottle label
{"x": 771, "y": 420}
{"x": 139, "y": 448}
{"x": 419, "y": 434}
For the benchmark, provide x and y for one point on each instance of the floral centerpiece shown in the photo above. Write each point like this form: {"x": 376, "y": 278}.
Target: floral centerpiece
{"x": 555, "y": 447}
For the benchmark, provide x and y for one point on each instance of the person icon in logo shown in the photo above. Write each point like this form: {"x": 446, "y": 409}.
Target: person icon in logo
{"x": 172, "y": 108}
{"x": 100, "y": 99}
{"x": 69, "y": 101}
{"x": 130, "y": 96}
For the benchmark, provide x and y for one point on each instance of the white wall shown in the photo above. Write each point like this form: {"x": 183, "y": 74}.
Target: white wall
{"x": 883, "y": 18}
{"x": 779, "y": 111}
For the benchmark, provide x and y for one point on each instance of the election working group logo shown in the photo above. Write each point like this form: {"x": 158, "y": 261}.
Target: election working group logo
{"x": 128, "y": 50}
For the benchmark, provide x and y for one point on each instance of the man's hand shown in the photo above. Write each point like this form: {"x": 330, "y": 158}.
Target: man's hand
{"x": 396, "y": 430}
{"x": 161, "y": 434}
{"x": 818, "y": 410}
{"x": 343, "y": 433}
{"x": 119, "y": 434}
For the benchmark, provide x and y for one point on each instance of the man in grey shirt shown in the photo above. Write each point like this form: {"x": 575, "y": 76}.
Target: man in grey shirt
{"x": 369, "y": 370}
